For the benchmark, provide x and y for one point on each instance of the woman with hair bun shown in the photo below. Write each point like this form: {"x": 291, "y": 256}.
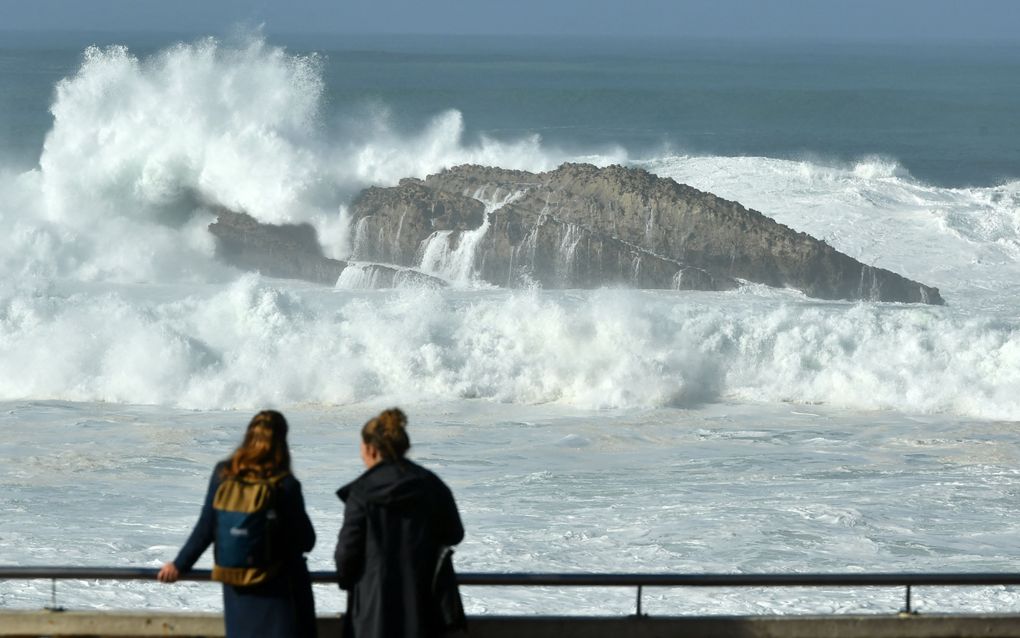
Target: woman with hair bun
{"x": 270, "y": 593}
{"x": 399, "y": 518}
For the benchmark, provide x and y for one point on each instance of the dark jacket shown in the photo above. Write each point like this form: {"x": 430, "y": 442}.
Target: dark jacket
{"x": 282, "y": 607}
{"x": 397, "y": 517}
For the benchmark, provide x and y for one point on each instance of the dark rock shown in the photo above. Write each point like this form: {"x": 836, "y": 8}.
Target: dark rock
{"x": 292, "y": 251}
{"x": 583, "y": 226}
{"x": 289, "y": 251}
{"x": 391, "y": 223}
{"x": 520, "y": 248}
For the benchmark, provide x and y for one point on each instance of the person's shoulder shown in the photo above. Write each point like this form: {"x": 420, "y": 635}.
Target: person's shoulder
{"x": 289, "y": 482}
{"x": 354, "y": 489}
{"x": 426, "y": 473}
{"x": 219, "y": 471}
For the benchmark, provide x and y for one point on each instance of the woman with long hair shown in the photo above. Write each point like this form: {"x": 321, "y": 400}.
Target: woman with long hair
{"x": 398, "y": 519}
{"x": 254, "y": 508}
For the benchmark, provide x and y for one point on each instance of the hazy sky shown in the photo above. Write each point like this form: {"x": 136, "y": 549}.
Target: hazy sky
{"x": 896, "y": 19}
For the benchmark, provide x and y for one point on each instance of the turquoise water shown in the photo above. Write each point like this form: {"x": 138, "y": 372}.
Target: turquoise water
{"x": 946, "y": 113}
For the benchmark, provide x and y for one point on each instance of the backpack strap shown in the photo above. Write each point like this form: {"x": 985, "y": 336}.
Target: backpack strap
{"x": 273, "y": 480}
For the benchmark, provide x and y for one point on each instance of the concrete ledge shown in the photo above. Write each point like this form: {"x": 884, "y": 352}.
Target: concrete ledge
{"x": 24, "y": 624}
{"x": 892, "y": 626}
{"x": 98, "y": 623}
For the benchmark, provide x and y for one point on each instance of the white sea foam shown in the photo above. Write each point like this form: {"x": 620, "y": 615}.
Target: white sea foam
{"x": 256, "y": 341}
{"x": 456, "y": 263}
{"x": 386, "y": 157}
{"x": 357, "y": 276}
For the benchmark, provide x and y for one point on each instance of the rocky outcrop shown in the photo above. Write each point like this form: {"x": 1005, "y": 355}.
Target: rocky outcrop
{"x": 289, "y": 251}
{"x": 438, "y": 224}
{"x": 391, "y": 222}
{"x": 580, "y": 226}
{"x": 292, "y": 251}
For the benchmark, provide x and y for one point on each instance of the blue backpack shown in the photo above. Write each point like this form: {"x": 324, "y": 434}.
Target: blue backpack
{"x": 246, "y": 547}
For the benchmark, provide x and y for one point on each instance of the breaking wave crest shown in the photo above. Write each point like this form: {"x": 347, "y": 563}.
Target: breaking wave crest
{"x": 255, "y": 343}
{"x": 141, "y": 149}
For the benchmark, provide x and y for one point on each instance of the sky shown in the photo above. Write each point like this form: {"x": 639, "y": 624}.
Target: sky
{"x": 982, "y": 20}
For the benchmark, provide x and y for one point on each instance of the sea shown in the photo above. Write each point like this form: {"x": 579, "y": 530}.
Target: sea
{"x": 596, "y": 431}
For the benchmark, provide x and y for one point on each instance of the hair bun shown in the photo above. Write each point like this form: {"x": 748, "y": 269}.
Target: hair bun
{"x": 393, "y": 420}
{"x": 387, "y": 433}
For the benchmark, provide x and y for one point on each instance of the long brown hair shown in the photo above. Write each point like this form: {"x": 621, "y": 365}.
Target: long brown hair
{"x": 387, "y": 433}
{"x": 264, "y": 451}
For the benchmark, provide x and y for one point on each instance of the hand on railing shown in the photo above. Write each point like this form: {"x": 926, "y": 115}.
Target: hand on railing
{"x": 168, "y": 573}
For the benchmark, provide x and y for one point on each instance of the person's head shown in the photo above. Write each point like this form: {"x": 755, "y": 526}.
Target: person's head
{"x": 264, "y": 450}
{"x": 384, "y": 437}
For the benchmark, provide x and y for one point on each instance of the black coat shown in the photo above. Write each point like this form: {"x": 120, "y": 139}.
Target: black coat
{"x": 282, "y": 607}
{"x": 397, "y": 517}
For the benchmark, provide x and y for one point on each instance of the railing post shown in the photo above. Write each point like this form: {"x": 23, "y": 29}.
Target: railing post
{"x": 907, "y": 609}
{"x": 53, "y": 596}
{"x": 639, "y": 600}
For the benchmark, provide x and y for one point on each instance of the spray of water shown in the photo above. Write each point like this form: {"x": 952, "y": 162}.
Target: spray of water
{"x": 142, "y": 148}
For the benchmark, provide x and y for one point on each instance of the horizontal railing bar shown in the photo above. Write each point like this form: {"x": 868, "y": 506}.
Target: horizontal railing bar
{"x": 738, "y": 580}
{"x": 575, "y": 579}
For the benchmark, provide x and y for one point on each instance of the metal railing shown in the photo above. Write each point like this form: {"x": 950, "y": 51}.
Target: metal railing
{"x": 639, "y": 581}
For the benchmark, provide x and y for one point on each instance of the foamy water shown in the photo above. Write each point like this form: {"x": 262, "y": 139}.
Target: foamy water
{"x": 718, "y": 488}
{"x": 609, "y": 430}
{"x": 253, "y": 342}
